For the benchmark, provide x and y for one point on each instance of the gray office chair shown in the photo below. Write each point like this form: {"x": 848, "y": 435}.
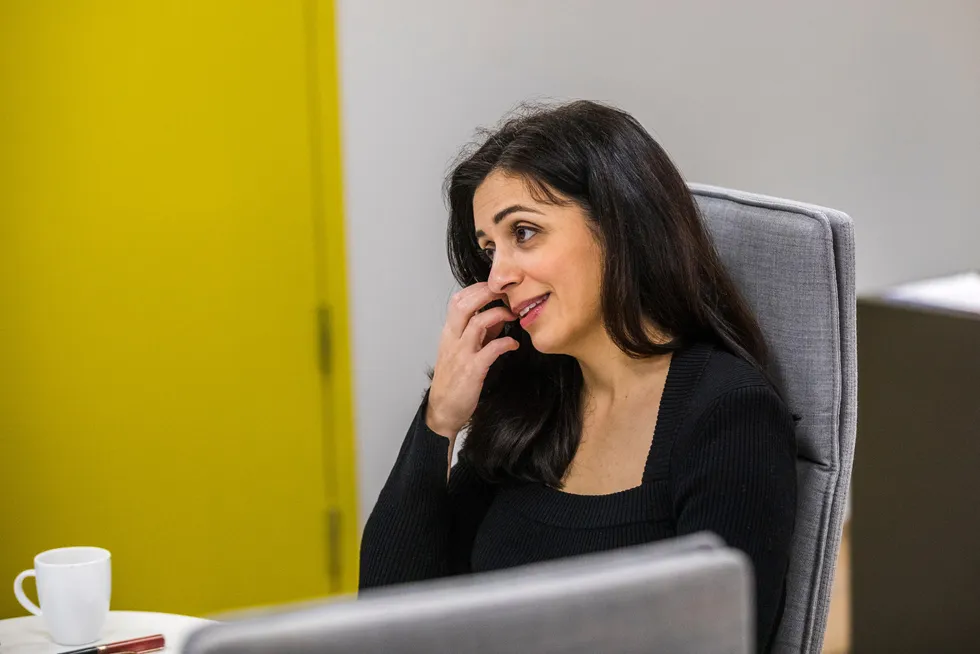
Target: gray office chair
{"x": 794, "y": 263}
{"x": 689, "y": 595}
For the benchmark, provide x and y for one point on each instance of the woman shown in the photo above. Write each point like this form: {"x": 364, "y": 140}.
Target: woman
{"x": 609, "y": 375}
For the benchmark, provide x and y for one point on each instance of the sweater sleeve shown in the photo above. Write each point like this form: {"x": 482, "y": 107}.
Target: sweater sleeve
{"x": 736, "y": 477}
{"x": 421, "y": 527}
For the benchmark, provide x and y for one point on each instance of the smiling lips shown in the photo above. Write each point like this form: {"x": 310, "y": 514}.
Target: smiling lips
{"x": 531, "y": 309}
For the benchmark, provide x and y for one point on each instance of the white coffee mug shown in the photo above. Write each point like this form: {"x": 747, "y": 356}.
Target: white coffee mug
{"x": 74, "y": 585}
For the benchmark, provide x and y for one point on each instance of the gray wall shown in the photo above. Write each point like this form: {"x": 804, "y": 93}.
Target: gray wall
{"x": 869, "y": 106}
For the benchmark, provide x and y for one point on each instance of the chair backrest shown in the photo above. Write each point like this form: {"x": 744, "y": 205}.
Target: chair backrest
{"x": 794, "y": 263}
{"x": 688, "y": 596}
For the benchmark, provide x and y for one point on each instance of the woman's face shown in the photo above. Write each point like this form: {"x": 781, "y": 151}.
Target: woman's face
{"x": 543, "y": 253}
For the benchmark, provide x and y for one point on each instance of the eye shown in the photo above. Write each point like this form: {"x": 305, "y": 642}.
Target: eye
{"x": 523, "y": 233}
{"x": 487, "y": 254}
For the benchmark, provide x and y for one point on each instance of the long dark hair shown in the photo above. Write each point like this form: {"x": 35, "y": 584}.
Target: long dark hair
{"x": 659, "y": 266}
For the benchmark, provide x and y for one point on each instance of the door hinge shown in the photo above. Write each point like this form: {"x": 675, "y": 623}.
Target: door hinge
{"x": 334, "y": 555}
{"x": 323, "y": 334}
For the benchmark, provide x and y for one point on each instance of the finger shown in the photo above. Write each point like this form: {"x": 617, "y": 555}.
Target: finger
{"x": 476, "y": 331}
{"x": 492, "y": 351}
{"x": 466, "y": 303}
{"x": 493, "y": 331}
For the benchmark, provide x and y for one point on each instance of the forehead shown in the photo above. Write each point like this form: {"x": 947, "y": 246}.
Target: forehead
{"x": 497, "y": 192}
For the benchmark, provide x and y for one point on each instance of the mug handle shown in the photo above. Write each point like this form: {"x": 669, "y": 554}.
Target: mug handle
{"x": 21, "y": 596}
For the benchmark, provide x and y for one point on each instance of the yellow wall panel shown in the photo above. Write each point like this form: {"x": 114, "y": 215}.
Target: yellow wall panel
{"x": 160, "y": 276}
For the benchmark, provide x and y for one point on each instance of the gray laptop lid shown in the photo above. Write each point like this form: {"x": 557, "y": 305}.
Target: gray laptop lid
{"x": 688, "y": 595}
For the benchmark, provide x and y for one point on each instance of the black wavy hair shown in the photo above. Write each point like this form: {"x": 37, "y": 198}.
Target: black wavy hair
{"x": 659, "y": 266}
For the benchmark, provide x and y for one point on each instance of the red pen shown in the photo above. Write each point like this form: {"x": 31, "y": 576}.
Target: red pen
{"x": 133, "y": 646}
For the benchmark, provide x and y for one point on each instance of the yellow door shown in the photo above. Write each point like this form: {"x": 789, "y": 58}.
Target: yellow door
{"x": 161, "y": 218}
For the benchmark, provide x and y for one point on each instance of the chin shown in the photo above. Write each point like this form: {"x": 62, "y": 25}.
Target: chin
{"x": 546, "y": 344}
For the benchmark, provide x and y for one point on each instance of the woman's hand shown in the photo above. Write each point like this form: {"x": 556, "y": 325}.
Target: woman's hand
{"x": 468, "y": 347}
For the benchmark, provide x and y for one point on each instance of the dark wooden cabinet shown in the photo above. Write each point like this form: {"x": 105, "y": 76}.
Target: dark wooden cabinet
{"x": 915, "y": 521}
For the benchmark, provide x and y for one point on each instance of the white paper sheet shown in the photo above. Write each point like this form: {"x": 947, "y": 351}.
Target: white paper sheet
{"x": 960, "y": 292}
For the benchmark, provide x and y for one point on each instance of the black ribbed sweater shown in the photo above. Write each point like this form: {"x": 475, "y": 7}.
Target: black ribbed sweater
{"x": 722, "y": 459}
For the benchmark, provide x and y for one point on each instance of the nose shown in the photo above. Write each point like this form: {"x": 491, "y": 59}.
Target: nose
{"x": 503, "y": 273}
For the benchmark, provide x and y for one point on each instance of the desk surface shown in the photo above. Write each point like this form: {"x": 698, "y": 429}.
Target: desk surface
{"x": 28, "y": 636}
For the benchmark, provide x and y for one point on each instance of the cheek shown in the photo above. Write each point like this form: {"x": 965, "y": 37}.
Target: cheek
{"x": 578, "y": 284}
{"x": 589, "y": 276}
{"x": 588, "y": 271}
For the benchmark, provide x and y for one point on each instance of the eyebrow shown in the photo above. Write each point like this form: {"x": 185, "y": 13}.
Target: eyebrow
{"x": 503, "y": 213}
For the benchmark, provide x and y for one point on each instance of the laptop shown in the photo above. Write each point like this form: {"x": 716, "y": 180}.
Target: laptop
{"x": 685, "y": 595}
